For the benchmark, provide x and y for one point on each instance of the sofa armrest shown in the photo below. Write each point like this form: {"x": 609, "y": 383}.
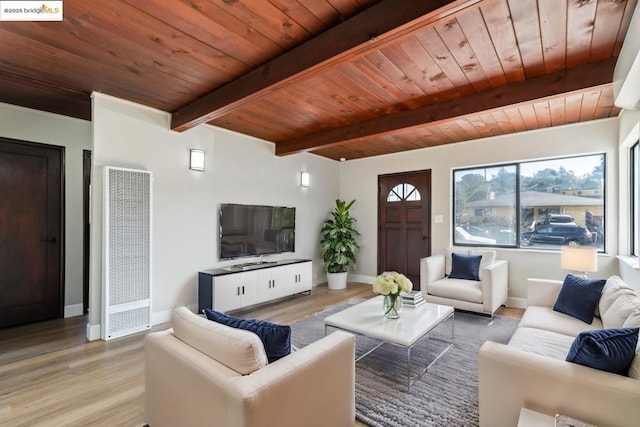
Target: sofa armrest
{"x": 315, "y": 386}
{"x": 431, "y": 269}
{"x": 511, "y": 379}
{"x": 495, "y": 283}
{"x": 543, "y": 292}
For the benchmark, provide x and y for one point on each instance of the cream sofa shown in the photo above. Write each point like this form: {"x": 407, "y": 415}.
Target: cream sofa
{"x": 201, "y": 373}
{"x": 531, "y": 371}
{"x": 484, "y": 296}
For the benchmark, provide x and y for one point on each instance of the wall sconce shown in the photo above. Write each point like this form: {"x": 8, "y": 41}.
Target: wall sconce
{"x": 579, "y": 259}
{"x": 196, "y": 160}
{"x": 304, "y": 179}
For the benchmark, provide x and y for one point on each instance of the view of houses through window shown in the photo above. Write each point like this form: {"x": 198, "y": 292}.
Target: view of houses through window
{"x": 540, "y": 204}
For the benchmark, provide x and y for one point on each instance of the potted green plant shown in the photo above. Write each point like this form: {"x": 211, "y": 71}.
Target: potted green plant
{"x": 338, "y": 246}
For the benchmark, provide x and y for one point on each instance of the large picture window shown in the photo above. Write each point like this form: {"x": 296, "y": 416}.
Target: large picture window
{"x": 542, "y": 204}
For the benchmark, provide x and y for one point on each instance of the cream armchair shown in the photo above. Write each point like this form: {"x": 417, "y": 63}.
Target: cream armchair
{"x": 201, "y": 373}
{"x": 483, "y": 296}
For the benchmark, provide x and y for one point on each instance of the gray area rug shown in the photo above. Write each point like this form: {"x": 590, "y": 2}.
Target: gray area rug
{"x": 447, "y": 395}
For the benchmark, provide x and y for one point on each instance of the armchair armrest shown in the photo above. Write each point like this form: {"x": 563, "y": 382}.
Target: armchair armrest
{"x": 312, "y": 386}
{"x": 511, "y": 379}
{"x": 316, "y": 382}
{"x": 543, "y": 292}
{"x": 431, "y": 269}
{"x": 495, "y": 283}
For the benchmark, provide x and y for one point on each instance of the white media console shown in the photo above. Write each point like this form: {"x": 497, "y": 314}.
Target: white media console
{"x": 227, "y": 289}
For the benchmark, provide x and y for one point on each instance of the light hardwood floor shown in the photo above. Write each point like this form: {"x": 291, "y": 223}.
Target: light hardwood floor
{"x": 51, "y": 376}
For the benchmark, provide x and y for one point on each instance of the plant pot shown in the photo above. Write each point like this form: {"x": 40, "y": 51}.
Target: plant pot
{"x": 337, "y": 281}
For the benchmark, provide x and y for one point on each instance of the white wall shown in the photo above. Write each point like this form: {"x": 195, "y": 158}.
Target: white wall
{"x": 185, "y": 203}
{"x": 629, "y": 134}
{"x": 75, "y": 135}
{"x": 358, "y": 180}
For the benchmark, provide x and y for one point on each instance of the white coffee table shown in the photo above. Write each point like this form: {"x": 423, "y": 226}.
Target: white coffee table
{"x": 366, "y": 318}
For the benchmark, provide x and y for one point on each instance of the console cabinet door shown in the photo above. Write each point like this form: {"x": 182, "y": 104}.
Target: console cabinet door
{"x": 234, "y": 291}
{"x": 226, "y": 293}
{"x": 300, "y": 277}
{"x": 265, "y": 285}
{"x": 305, "y": 277}
{"x": 249, "y": 287}
{"x": 273, "y": 283}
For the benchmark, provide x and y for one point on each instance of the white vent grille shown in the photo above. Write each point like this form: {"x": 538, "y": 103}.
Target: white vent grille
{"x": 128, "y": 320}
{"x": 127, "y": 252}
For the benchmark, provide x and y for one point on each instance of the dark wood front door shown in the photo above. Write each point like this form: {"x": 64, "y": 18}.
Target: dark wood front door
{"x": 404, "y": 220}
{"x": 30, "y": 232}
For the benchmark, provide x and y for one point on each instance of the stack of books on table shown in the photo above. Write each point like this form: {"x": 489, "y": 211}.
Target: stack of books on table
{"x": 412, "y": 299}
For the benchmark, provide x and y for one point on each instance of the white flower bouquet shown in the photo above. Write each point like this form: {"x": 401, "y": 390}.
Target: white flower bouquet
{"x": 391, "y": 284}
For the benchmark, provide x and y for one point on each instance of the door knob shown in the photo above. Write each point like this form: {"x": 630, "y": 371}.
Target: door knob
{"x": 51, "y": 240}
{"x": 424, "y": 237}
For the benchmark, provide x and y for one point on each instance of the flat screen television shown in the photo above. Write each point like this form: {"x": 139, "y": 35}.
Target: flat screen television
{"x": 251, "y": 230}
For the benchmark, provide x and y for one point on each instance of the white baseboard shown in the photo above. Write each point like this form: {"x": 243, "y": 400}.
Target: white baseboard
{"x": 516, "y": 302}
{"x": 93, "y": 332}
{"x": 73, "y": 310}
{"x": 361, "y": 278}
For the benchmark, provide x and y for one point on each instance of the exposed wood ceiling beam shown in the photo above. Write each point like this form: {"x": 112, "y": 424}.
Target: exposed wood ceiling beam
{"x": 561, "y": 82}
{"x": 41, "y": 95}
{"x": 381, "y": 24}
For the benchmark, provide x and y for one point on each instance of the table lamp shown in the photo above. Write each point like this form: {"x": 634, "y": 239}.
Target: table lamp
{"x": 579, "y": 259}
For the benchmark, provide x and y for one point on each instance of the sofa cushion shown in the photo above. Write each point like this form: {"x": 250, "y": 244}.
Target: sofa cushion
{"x": 448, "y": 260}
{"x": 547, "y": 319}
{"x": 610, "y": 350}
{"x": 275, "y": 338}
{"x": 579, "y": 297}
{"x": 488, "y": 257}
{"x": 625, "y": 307}
{"x": 614, "y": 287}
{"x": 458, "y": 289}
{"x": 544, "y": 343}
{"x": 465, "y": 266}
{"x": 237, "y": 349}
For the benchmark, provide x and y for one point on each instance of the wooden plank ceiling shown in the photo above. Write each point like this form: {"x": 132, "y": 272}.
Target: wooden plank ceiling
{"x": 339, "y": 78}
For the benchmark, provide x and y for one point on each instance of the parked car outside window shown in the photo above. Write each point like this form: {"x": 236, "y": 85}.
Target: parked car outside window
{"x": 462, "y": 236}
{"x": 558, "y": 219}
{"x": 559, "y": 234}
{"x": 476, "y": 231}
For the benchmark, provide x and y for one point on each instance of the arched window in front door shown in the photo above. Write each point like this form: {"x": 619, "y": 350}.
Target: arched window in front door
{"x": 403, "y": 193}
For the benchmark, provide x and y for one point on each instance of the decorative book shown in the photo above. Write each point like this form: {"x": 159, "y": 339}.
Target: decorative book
{"x": 412, "y": 299}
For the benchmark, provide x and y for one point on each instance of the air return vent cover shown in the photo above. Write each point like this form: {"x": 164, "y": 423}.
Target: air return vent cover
{"x": 126, "y": 290}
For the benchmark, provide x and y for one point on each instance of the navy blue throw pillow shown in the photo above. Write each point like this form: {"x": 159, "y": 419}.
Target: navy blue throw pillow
{"x": 579, "y": 297}
{"x": 610, "y": 350}
{"x": 275, "y": 338}
{"x": 465, "y": 266}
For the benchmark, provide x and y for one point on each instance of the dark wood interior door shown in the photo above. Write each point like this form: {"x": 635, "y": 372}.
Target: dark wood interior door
{"x": 30, "y": 232}
{"x": 404, "y": 221}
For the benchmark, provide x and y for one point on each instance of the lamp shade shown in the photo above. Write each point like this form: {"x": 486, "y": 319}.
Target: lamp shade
{"x": 579, "y": 258}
